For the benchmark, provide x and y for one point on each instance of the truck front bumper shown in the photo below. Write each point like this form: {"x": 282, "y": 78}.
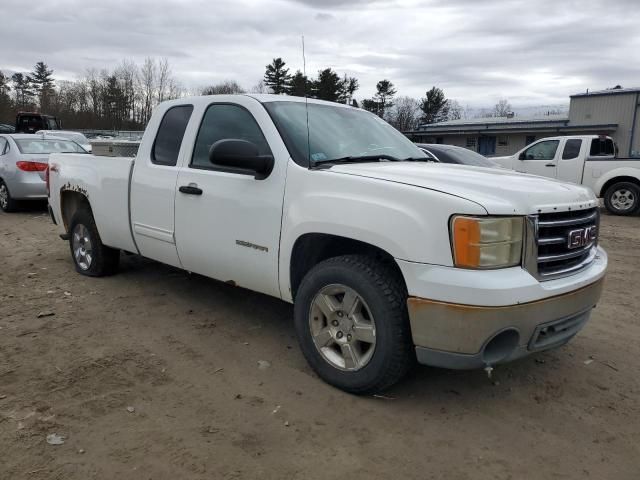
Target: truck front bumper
{"x": 465, "y": 335}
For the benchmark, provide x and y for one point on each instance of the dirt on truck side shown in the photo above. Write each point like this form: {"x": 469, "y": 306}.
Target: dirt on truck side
{"x": 157, "y": 374}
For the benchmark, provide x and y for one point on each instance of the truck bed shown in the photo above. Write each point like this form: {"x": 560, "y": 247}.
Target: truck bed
{"x": 105, "y": 182}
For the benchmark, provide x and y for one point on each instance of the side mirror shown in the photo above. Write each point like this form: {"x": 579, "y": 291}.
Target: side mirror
{"x": 522, "y": 157}
{"x": 241, "y": 156}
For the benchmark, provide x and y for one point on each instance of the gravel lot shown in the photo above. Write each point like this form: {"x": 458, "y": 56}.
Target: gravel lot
{"x": 154, "y": 374}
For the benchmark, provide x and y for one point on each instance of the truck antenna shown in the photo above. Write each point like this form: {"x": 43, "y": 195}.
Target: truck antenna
{"x": 306, "y": 103}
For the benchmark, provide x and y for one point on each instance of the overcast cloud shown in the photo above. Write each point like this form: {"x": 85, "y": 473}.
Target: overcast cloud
{"x": 532, "y": 52}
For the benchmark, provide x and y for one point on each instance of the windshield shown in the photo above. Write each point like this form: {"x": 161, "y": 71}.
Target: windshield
{"x": 464, "y": 157}
{"x": 337, "y": 132}
{"x": 36, "y": 146}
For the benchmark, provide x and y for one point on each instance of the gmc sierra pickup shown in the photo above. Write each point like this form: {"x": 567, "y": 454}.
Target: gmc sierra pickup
{"x": 387, "y": 257}
{"x": 588, "y": 160}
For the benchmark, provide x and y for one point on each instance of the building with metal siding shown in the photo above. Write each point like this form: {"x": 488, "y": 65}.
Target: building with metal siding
{"x": 607, "y": 112}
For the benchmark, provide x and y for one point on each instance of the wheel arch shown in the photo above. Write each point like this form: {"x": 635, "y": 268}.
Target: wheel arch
{"x": 70, "y": 202}
{"x": 617, "y": 179}
{"x": 310, "y": 249}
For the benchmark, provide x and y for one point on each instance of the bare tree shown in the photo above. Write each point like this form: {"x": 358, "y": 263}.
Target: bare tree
{"x": 455, "y": 110}
{"x": 147, "y": 84}
{"x": 164, "y": 77}
{"x": 223, "y": 88}
{"x": 261, "y": 87}
{"x": 502, "y": 108}
{"x": 404, "y": 114}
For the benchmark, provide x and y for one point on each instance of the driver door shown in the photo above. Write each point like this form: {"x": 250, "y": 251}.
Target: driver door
{"x": 541, "y": 159}
{"x": 228, "y": 223}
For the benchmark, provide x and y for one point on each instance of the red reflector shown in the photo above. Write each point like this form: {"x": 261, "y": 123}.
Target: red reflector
{"x": 32, "y": 166}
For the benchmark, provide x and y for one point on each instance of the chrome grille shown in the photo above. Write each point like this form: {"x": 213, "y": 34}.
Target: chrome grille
{"x": 555, "y": 256}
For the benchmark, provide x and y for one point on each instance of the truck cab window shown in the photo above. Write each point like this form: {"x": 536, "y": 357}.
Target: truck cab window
{"x": 571, "y": 149}
{"x": 541, "y": 151}
{"x": 169, "y": 138}
{"x": 223, "y": 122}
{"x": 602, "y": 147}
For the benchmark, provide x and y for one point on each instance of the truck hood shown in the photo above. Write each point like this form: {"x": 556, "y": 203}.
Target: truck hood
{"x": 500, "y": 192}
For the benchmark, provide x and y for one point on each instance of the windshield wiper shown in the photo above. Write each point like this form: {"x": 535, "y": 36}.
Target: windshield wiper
{"x": 357, "y": 159}
{"x": 418, "y": 159}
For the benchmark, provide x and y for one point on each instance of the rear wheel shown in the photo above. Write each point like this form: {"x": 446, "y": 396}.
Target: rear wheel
{"x": 7, "y": 204}
{"x": 89, "y": 255}
{"x": 352, "y": 324}
{"x": 622, "y": 198}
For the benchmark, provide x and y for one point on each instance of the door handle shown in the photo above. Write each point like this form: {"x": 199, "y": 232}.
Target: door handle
{"x": 550, "y": 165}
{"x": 191, "y": 189}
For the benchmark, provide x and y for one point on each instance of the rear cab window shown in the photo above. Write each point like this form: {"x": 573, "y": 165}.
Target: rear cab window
{"x": 602, "y": 147}
{"x": 166, "y": 146}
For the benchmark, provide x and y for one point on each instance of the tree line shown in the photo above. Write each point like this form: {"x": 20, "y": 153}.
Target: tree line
{"x": 123, "y": 98}
{"x": 120, "y": 99}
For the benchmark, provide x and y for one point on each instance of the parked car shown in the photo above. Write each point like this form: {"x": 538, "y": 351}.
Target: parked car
{"x": 588, "y": 160}
{"x": 456, "y": 155}
{"x": 386, "y": 256}
{"x": 23, "y": 164}
{"x": 4, "y": 128}
{"x": 77, "y": 137}
{"x": 30, "y": 122}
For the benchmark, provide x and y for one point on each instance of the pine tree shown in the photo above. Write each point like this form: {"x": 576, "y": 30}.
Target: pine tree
{"x": 42, "y": 80}
{"x": 299, "y": 85}
{"x": 329, "y": 86}
{"x": 6, "y": 113}
{"x": 22, "y": 90}
{"x": 277, "y": 76}
{"x": 384, "y": 93}
{"x": 434, "y": 106}
{"x": 350, "y": 85}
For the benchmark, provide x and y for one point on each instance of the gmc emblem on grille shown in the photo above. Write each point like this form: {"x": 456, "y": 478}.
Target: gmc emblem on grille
{"x": 582, "y": 237}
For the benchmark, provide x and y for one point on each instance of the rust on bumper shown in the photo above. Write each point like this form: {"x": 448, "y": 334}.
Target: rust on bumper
{"x": 464, "y": 329}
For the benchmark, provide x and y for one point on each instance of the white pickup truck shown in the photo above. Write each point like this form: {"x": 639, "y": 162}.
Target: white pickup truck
{"x": 588, "y": 160}
{"x": 387, "y": 257}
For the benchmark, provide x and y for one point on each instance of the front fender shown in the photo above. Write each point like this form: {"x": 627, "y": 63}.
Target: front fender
{"x": 410, "y": 223}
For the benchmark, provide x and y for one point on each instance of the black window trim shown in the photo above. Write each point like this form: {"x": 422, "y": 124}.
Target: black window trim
{"x": 212, "y": 168}
{"x": 153, "y": 147}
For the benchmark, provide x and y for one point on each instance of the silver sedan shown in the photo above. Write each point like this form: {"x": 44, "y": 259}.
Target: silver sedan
{"x": 23, "y": 163}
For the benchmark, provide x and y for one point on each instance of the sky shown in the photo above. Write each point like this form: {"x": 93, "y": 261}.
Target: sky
{"x": 533, "y": 52}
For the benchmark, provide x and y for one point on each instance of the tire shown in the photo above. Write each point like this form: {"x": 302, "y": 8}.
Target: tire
{"x": 7, "y": 203}
{"x": 381, "y": 303}
{"x": 89, "y": 255}
{"x": 622, "y": 198}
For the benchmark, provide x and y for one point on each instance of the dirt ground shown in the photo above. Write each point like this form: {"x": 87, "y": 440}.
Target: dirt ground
{"x": 154, "y": 374}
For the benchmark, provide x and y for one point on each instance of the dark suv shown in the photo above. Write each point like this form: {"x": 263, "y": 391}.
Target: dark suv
{"x": 28, "y": 122}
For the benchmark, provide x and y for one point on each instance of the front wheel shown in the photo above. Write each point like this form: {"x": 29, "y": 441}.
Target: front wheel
{"x": 89, "y": 255}
{"x": 622, "y": 198}
{"x": 352, "y": 324}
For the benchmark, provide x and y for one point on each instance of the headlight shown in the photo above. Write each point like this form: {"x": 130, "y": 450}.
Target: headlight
{"x": 486, "y": 242}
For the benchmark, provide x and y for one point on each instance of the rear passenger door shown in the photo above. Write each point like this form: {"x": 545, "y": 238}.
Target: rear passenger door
{"x": 154, "y": 183}
{"x": 571, "y": 162}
